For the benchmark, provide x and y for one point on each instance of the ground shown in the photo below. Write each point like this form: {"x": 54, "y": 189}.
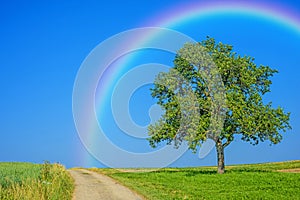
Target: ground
{"x": 297, "y": 170}
{"x": 93, "y": 186}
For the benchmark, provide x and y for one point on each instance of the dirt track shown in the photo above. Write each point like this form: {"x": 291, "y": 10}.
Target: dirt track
{"x": 93, "y": 186}
{"x": 297, "y": 170}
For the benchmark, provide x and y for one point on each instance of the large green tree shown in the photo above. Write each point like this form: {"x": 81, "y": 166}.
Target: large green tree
{"x": 228, "y": 89}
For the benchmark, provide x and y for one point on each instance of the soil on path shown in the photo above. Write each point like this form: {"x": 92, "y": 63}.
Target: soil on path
{"x": 93, "y": 186}
{"x": 297, "y": 170}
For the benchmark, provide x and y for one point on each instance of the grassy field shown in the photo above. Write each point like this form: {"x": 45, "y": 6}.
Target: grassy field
{"x": 27, "y": 181}
{"x": 257, "y": 181}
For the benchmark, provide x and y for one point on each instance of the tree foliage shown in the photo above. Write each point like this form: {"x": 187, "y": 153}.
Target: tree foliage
{"x": 243, "y": 82}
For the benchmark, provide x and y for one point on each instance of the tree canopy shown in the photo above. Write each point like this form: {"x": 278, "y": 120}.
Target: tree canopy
{"x": 224, "y": 89}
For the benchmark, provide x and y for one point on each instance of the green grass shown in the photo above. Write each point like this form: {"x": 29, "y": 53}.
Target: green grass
{"x": 257, "y": 181}
{"x": 29, "y": 181}
{"x": 15, "y": 173}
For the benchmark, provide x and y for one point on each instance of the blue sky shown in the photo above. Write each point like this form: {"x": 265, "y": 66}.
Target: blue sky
{"x": 44, "y": 43}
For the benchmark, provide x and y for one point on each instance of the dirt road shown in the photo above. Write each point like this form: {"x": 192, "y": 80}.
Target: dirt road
{"x": 297, "y": 170}
{"x": 93, "y": 186}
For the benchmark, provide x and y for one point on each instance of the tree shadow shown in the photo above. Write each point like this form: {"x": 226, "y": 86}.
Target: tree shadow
{"x": 194, "y": 172}
{"x": 200, "y": 172}
{"x": 188, "y": 171}
{"x": 240, "y": 170}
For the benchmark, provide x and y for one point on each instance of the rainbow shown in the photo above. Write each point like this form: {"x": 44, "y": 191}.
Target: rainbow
{"x": 278, "y": 14}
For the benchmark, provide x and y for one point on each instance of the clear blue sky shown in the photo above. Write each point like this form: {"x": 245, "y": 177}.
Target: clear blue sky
{"x": 43, "y": 44}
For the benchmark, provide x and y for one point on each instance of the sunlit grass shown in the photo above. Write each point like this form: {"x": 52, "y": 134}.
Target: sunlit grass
{"x": 28, "y": 181}
{"x": 256, "y": 181}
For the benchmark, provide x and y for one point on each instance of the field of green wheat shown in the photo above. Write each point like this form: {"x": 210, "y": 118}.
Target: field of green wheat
{"x": 28, "y": 181}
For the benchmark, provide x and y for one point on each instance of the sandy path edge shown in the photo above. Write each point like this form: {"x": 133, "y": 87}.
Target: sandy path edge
{"x": 93, "y": 186}
{"x": 295, "y": 170}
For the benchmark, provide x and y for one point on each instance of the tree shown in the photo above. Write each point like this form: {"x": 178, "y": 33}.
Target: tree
{"x": 213, "y": 73}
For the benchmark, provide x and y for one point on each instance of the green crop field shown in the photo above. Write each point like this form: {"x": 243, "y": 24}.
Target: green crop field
{"x": 257, "y": 181}
{"x": 29, "y": 181}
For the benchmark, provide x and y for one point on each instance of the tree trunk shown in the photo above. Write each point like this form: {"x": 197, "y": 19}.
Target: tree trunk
{"x": 220, "y": 155}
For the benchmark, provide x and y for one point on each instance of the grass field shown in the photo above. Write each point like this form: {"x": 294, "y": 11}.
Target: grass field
{"x": 27, "y": 181}
{"x": 257, "y": 181}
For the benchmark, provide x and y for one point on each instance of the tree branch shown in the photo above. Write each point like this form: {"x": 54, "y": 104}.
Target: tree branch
{"x": 227, "y": 143}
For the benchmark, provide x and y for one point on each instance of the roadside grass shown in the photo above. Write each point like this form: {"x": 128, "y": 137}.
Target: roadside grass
{"x": 28, "y": 181}
{"x": 254, "y": 181}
